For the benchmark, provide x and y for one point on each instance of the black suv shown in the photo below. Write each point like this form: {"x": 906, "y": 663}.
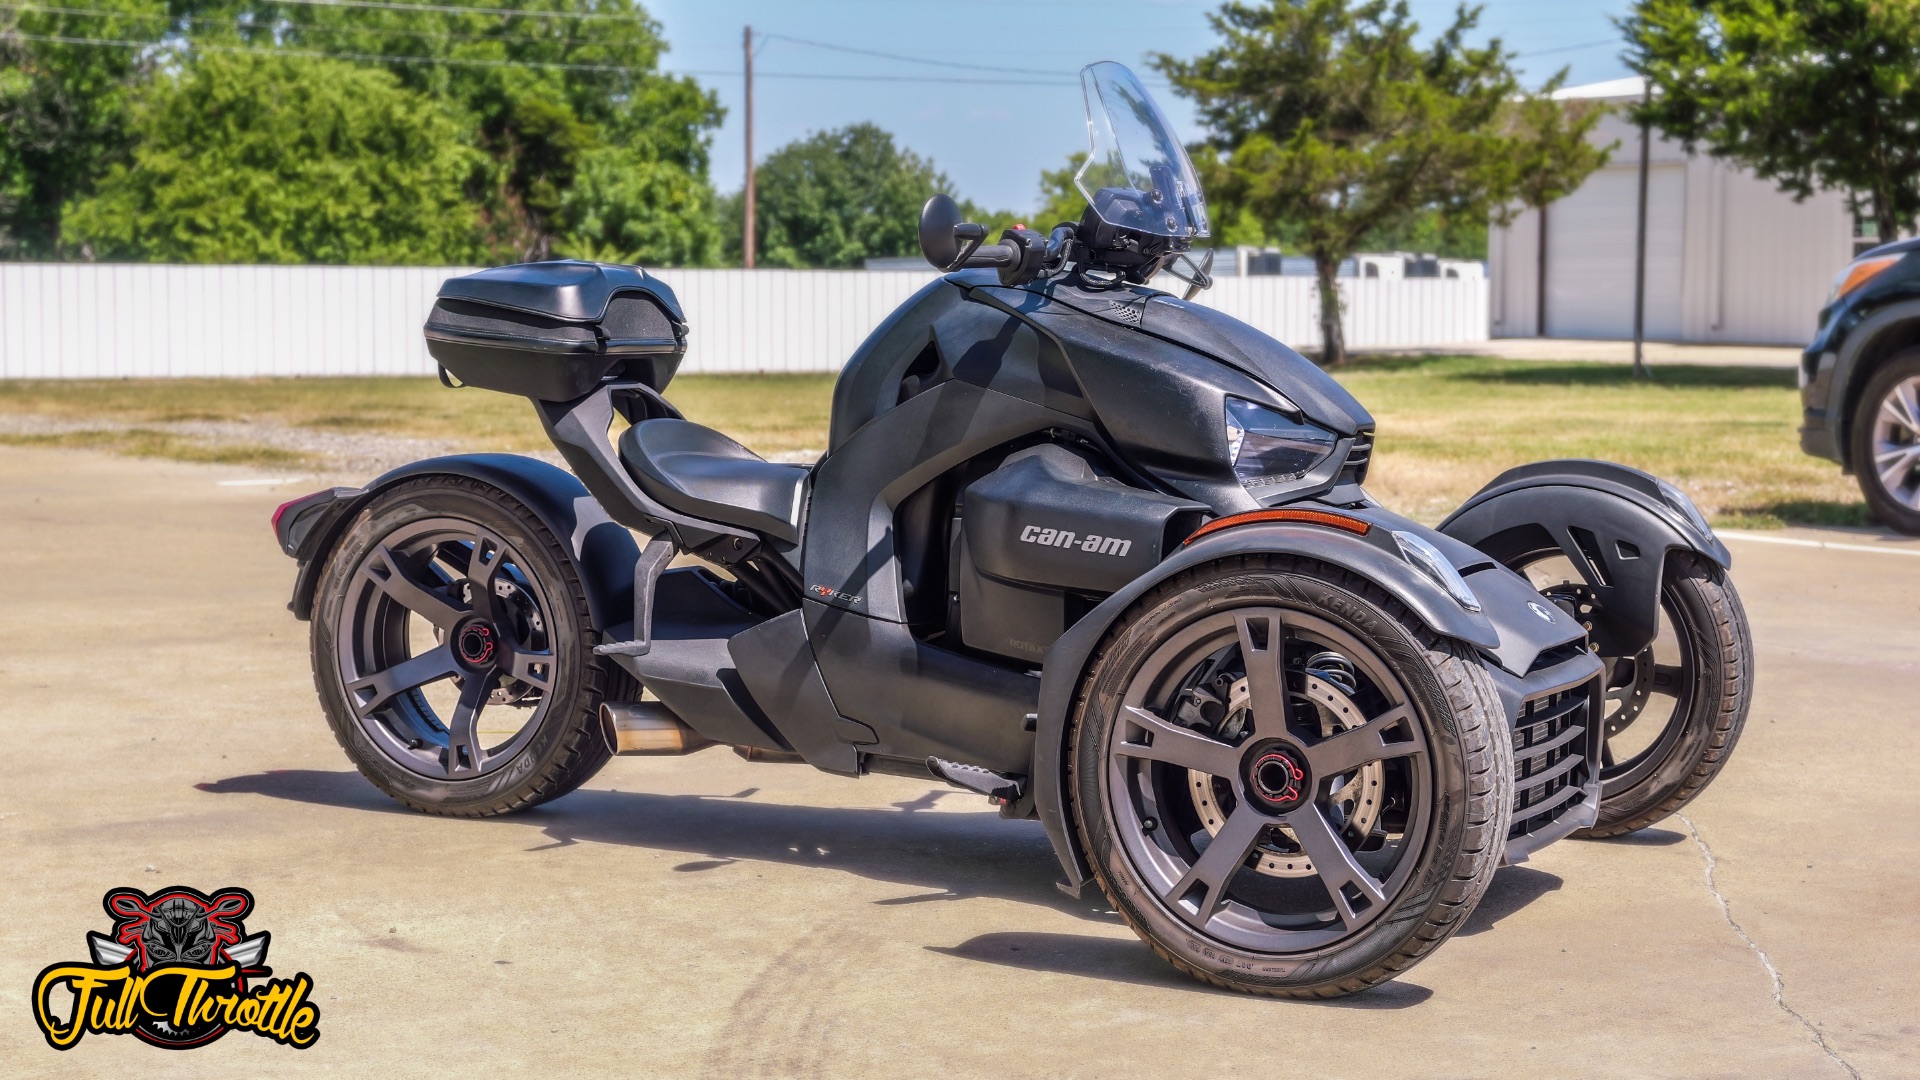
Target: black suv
{"x": 1860, "y": 380}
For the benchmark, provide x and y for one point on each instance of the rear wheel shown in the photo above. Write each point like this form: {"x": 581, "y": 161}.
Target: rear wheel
{"x": 453, "y": 652}
{"x": 1675, "y": 709}
{"x": 1287, "y": 785}
{"x": 1886, "y": 443}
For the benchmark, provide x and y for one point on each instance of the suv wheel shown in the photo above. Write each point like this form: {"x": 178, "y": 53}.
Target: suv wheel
{"x": 1886, "y": 442}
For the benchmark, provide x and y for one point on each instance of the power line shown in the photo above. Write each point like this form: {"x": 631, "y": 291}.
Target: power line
{"x": 302, "y": 28}
{"x": 806, "y": 75}
{"x": 459, "y": 9}
{"x": 909, "y": 59}
{"x": 316, "y": 54}
{"x": 1568, "y": 48}
{"x": 454, "y": 61}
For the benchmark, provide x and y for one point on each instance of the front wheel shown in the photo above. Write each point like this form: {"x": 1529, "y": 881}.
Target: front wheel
{"x": 1886, "y": 443}
{"x": 453, "y": 652}
{"x": 1675, "y": 709}
{"x": 1285, "y": 783}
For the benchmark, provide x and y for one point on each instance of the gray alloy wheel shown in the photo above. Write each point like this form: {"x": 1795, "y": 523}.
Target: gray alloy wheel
{"x": 1885, "y": 436}
{"x": 453, "y": 652}
{"x": 1896, "y": 442}
{"x": 445, "y": 599}
{"x": 1284, "y": 782}
{"x": 1284, "y": 766}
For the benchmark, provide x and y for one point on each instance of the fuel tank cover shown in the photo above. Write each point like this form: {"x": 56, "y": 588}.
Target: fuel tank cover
{"x": 1046, "y": 518}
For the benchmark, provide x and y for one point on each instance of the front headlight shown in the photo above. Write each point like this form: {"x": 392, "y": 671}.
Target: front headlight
{"x": 1269, "y": 447}
{"x": 1859, "y": 272}
{"x": 1435, "y": 565}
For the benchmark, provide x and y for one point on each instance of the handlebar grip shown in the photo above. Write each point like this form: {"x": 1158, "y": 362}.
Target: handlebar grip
{"x": 993, "y": 255}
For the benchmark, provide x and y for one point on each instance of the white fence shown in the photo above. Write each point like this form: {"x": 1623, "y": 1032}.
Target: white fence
{"x": 94, "y": 321}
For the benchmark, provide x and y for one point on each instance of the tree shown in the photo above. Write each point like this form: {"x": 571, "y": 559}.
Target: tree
{"x": 275, "y": 159}
{"x": 63, "y": 111}
{"x": 1807, "y": 93}
{"x": 601, "y": 103}
{"x": 1329, "y": 117}
{"x": 626, "y": 207}
{"x": 1060, "y": 198}
{"x": 839, "y": 197}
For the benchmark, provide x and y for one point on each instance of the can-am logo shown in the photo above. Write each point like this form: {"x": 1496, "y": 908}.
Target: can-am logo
{"x": 1067, "y": 538}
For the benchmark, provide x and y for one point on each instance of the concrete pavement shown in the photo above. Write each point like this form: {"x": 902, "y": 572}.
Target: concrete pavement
{"x": 703, "y": 916}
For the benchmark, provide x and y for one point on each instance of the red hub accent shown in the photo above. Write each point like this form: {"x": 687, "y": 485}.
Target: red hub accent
{"x": 475, "y": 644}
{"x": 1278, "y": 780}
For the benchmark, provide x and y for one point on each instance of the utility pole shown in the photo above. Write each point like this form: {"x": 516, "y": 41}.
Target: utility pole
{"x": 1640, "y": 251}
{"x": 1540, "y": 278}
{"x": 746, "y": 226}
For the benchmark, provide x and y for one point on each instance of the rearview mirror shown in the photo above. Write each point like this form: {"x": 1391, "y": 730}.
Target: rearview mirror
{"x": 937, "y": 242}
{"x": 945, "y": 239}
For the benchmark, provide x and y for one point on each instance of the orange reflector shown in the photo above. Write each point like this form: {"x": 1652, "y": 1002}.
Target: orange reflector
{"x": 1859, "y": 273}
{"x": 1302, "y": 517}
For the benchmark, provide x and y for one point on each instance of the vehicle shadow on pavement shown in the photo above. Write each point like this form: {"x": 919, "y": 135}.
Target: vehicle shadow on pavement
{"x": 946, "y": 856}
{"x": 1127, "y": 960}
{"x": 1513, "y": 888}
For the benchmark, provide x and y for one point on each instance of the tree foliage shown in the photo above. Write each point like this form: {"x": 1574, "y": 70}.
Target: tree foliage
{"x": 1807, "y": 93}
{"x": 1333, "y": 118}
{"x": 258, "y": 158}
{"x": 63, "y": 113}
{"x": 576, "y": 142}
{"x": 839, "y": 197}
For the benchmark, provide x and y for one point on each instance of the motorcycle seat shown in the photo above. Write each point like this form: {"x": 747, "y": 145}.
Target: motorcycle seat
{"x": 702, "y": 473}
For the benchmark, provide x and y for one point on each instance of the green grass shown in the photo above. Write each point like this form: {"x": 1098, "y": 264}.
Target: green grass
{"x": 1446, "y": 425}
{"x": 1728, "y": 436}
{"x": 145, "y": 442}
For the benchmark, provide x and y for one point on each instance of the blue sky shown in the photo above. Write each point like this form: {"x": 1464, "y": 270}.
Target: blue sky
{"x": 993, "y": 137}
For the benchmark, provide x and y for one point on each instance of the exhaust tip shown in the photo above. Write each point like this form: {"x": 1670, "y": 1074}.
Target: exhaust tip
{"x": 647, "y": 727}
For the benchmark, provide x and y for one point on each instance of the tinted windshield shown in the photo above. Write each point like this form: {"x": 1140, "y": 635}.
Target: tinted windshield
{"x": 1137, "y": 174}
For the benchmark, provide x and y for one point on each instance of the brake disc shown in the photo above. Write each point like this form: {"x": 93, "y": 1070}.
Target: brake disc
{"x": 1358, "y": 799}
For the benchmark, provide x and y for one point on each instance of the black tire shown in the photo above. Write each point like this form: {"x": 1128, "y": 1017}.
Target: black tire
{"x": 1868, "y": 438}
{"x": 1449, "y": 705}
{"x": 1711, "y": 707}
{"x": 543, "y": 613}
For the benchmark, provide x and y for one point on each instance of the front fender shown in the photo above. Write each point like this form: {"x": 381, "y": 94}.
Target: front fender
{"x": 604, "y": 552}
{"x": 1609, "y": 520}
{"x": 1066, "y": 662}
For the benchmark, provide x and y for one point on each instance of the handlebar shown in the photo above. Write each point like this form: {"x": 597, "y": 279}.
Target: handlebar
{"x": 992, "y": 255}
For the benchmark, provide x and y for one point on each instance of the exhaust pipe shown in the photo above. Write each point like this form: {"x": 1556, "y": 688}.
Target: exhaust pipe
{"x": 647, "y": 727}
{"x": 778, "y": 757}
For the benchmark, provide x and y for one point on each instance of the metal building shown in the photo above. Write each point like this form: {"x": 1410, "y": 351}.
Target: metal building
{"x": 1730, "y": 259}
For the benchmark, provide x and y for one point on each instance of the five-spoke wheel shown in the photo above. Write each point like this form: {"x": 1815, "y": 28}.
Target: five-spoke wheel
{"x": 1884, "y": 442}
{"x": 1270, "y": 765}
{"x": 451, "y": 650}
{"x": 444, "y": 602}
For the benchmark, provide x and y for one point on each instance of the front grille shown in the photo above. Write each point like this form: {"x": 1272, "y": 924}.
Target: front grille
{"x": 1549, "y": 762}
{"x": 1359, "y": 456}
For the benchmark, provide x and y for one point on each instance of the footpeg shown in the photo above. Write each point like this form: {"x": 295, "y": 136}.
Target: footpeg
{"x": 1003, "y": 789}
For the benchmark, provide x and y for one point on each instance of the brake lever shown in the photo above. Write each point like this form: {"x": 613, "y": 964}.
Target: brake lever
{"x": 971, "y": 236}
